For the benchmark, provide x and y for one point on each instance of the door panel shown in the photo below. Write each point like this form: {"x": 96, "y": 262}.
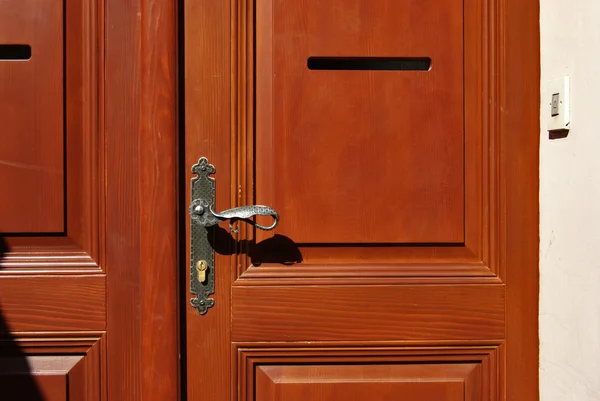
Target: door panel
{"x": 87, "y": 247}
{"x": 360, "y": 382}
{"x": 358, "y": 373}
{"x": 52, "y": 279}
{"x": 375, "y": 166}
{"x": 340, "y": 152}
{"x": 31, "y": 111}
{"x": 397, "y": 269}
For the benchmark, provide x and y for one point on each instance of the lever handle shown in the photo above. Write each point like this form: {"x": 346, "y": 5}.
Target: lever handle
{"x": 204, "y": 214}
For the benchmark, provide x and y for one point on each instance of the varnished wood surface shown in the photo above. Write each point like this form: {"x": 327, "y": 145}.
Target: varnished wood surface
{"x": 79, "y": 247}
{"x": 69, "y": 372}
{"x": 53, "y": 303}
{"x": 52, "y": 288}
{"x": 102, "y": 288}
{"x": 449, "y": 382}
{"x": 49, "y": 375}
{"x": 265, "y": 369}
{"x": 84, "y": 135}
{"x": 31, "y": 111}
{"x": 368, "y": 313}
{"x": 341, "y": 152}
{"x": 208, "y": 122}
{"x": 476, "y": 171}
{"x": 298, "y": 274}
{"x": 141, "y": 260}
{"x": 520, "y": 100}
{"x": 272, "y": 303}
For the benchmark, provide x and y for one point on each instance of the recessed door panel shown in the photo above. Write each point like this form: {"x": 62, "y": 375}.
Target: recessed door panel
{"x": 360, "y": 120}
{"x": 31, "y": 115}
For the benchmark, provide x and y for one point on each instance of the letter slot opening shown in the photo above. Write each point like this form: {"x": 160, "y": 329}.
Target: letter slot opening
{"x": 369, "y": 63}
{"x": 15, "y": 52}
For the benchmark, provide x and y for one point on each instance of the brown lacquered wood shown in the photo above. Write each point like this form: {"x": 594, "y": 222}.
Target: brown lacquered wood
{"x": 99, "y": 293}
{"x": 518, "y": 117}
{"x": 139, "y": 102}
{"x": 296, "y": 300}
{"x": 473, "y": 246}
{"x": 158, "y": 190}
{"x": 369, "y": 313}
{"x": 208, "y": 122}
{"x": 55, "y": 303}
{"x": 51, "y": 374}
{"x": 321, "y": 366}
{"x": 339, "y": 152}
{"x": 49, "y": 377}
{"x": 355, "y": 382}
{"x": 31, "y": 111}
{"x": 42, "y": 371}
{"x": 84, "y": 152}
{"x": 79, "y": 247}
{"x": 368, "y": 274}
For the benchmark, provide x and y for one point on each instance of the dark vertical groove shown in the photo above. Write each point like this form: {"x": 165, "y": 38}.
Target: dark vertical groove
{"x": 64, "y": 110}
{"x": 181, "y": 200}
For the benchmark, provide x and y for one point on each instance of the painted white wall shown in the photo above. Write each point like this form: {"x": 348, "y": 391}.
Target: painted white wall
{"x": 570, "y": 207}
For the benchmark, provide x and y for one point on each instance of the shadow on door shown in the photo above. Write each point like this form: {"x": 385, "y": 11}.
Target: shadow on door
{"x": 16, "y": 378}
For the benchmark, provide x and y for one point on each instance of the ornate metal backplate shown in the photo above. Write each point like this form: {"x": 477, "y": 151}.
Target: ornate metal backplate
{"x": 203, "y": 195}
{"x": 202, "y": 217}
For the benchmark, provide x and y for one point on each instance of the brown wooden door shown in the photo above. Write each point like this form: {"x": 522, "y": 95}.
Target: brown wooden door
{"x": 398, "y": 140}
{"x": 87, "y": 256}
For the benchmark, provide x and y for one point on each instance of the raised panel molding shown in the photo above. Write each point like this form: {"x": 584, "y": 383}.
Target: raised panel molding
{"x": 77, "y": 247}
{"x": 63, "y": 366}
{"x": 426, "y": 381}
{"x": 388, "y": 372}
{"x": 477, "y": 258}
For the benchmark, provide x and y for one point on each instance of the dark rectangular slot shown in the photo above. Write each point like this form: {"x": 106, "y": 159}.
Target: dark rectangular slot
{"x": 15, "y": 52}
{"x": 369, "y": 63}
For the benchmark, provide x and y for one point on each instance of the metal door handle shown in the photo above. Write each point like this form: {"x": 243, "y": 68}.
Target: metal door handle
{"x": 202, "y": 217}
{"x": 205, "y": 215}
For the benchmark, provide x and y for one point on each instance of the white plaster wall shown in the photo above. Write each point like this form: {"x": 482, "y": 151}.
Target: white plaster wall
{"x": 570, "y": 207}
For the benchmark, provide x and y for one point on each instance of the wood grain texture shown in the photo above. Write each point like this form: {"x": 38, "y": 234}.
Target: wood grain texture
{"x": 478, "y": 159}
{"x": 272, "y": 274}
{"x": 358, "y": 148}
{"x": 50, "y": 303}
{"x": 120, "y": 98}
{"x": 31, "y": 111}
{"x": 368, "y": 313}
{"x": 140, "y": 136}
{"x": 52, "y": 366}
{"x": 452, "y": 382}
{"x": 48, "y": 376}
{"x": 209, "y": 120}
{"x": 299, "y": 371}
{"x": 55, "y": 342}
{"x": 46, "y": 255}
{"x": 519, "y": 101}
{"x": 271, "y": 302}
{"x": 84, "y": 136}
{"x": 78, "y": 248}
{"x": 158, "y": 190}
